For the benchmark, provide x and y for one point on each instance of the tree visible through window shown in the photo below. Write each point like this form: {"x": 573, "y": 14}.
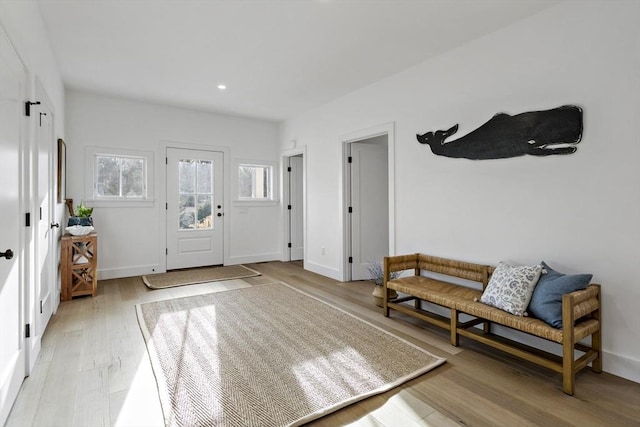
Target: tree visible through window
{"x": 120, "y": 177}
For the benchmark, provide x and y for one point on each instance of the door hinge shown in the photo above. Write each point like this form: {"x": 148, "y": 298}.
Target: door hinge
{"x": 27, "y": 219}
{"x": 289, "y": 245}
{"x": 40, "y": 212}
{"x": 350, "y": 260}
{"x": 166, "y": 251}
{"x": 350, "y": 159}
{"x": 27, "y": 107}
{"x": 289, "y": 169}
{"x": 40, "y": 307}
{"x": 350, "y": 209}
{"x": 27, "y": 330}
{"x": 166, "y": 206}
{"x": 166, "y": 160}
{"x": 289, "y": 207}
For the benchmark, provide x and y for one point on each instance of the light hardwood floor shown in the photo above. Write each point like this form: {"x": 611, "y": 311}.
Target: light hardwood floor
{"x": 94, "y": 370}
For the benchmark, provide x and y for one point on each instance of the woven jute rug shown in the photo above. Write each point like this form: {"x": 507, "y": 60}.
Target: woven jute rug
{"x": 197, "y": 275}
{"x": 268, "y": 355}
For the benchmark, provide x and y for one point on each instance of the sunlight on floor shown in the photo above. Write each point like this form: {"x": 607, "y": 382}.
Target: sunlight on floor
{"x": 139, "y": 405}
{"x": 401, "y": 409}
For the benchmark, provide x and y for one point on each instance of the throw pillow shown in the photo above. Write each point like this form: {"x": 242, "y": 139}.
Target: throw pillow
{"x": 511, "y": 287}
{"x": 546, "y": 302}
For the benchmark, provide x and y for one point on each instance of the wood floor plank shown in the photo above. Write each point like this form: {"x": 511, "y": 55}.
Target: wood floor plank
{"x": 94, "y": 369}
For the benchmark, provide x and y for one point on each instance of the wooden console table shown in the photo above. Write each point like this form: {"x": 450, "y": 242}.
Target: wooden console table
{"x": 79, "y": 265}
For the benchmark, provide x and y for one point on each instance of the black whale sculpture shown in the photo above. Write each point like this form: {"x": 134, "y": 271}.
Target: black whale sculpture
{"x": 539, "y": 133}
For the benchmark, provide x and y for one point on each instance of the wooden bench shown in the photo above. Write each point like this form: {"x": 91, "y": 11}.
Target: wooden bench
{"x": 581, "y": 315}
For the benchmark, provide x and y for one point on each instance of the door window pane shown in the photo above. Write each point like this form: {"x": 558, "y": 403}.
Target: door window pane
{"x": 196, "y": 194}
{"x": 205, "y": 169}
{"x": 186, "y": 172}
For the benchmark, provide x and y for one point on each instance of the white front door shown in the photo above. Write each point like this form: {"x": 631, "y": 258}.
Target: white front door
{"x": 296, "y": 210}
{"x": 370, "y": 205}
{"x": 194, "y": 208}
{"x": 45, "y": 279}
{"x": 12, "y": 329}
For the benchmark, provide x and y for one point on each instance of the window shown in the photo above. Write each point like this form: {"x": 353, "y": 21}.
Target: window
{"x": 119, "y": 175}
{"x": 255, "y": 182}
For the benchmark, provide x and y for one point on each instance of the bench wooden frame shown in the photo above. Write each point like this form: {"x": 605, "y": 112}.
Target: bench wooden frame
{"x": 581, "y": 313}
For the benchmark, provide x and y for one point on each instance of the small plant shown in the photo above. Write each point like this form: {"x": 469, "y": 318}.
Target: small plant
{"x": 376, "y": 272}
{"x": 83, "y": 211}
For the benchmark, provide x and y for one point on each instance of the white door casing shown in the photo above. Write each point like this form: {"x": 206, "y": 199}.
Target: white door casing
{"x": 296, "y": 212}
{"x": 370, "y": 205}
{"x": 41, "y": 301}
{"x": 195, "y": 196}
{"x": 12, "y": 137}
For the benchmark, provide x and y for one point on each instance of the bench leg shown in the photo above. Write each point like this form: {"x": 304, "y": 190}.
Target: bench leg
{"x": 568, "y": 374}
{"x": 385, "y": 307}
{"x": 596, "y": 343}
{"x": 568, "y": 344}
{"x": 455, "y": 339}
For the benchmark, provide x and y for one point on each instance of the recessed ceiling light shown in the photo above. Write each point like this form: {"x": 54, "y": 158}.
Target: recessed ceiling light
{"x": 222, "y": 87}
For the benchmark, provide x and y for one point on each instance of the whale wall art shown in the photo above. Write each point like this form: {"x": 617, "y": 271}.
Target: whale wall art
{"x": 538, "y": 133}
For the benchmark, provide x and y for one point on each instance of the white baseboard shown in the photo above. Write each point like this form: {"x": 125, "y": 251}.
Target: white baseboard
{"x": 117, "y": 273}
{"x": 621, "y": 366}
{"x": 323, "y": 269}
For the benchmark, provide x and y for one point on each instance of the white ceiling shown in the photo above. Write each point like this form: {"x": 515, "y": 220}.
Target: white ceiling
{"x": 277, "y": 58}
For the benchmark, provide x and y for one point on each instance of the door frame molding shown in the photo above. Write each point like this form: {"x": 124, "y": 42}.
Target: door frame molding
{"x": 345, "y": 187}
{"x": 34, "y": 342}
{"x": 161, "y": 185}
{"x": 284, "y": 190}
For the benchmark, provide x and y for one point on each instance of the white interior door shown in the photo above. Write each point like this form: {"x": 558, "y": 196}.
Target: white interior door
{"x": 45, "y": 279}
{"x": 194, "y": 208}
{"x": 12, "y": 342}
{"x": 296, "y": 212}
{"x": 370, "y": 205}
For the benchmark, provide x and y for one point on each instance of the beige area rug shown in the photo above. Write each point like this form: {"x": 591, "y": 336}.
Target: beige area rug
{"x": 197, "y": 275}
{"x": 268, "y": 355}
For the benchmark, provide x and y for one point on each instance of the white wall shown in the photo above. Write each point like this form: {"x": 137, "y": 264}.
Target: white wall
{"x": 578, "y": 212}
{"x": 130, "y": 238}
{"x": 23, "y": 24}
{"x": 25, "y": 28}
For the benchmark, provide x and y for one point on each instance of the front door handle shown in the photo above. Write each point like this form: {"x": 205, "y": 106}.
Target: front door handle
{"x": 8, "y": 254}
{"x": 55, "y": 224}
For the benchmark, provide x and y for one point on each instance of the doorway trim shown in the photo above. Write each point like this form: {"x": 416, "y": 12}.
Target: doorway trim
{"x": 346, "y": 140}
{"x": 285, "y": 154}
{"x": 161, "y": 185}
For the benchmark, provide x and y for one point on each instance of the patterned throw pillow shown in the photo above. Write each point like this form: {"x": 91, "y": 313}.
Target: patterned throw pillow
{"x": 511, "y": 287}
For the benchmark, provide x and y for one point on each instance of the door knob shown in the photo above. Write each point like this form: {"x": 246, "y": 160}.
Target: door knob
{"x": 8, "y": 254}
{"x": 55, "y": 224}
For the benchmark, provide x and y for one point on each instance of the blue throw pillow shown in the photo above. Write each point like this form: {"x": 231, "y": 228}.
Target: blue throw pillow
{"x": 546, "y": 302}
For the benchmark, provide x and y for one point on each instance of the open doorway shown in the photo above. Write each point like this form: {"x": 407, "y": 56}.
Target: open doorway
{"x": 294, "y": 203}
{"x": 368, "y": 190}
